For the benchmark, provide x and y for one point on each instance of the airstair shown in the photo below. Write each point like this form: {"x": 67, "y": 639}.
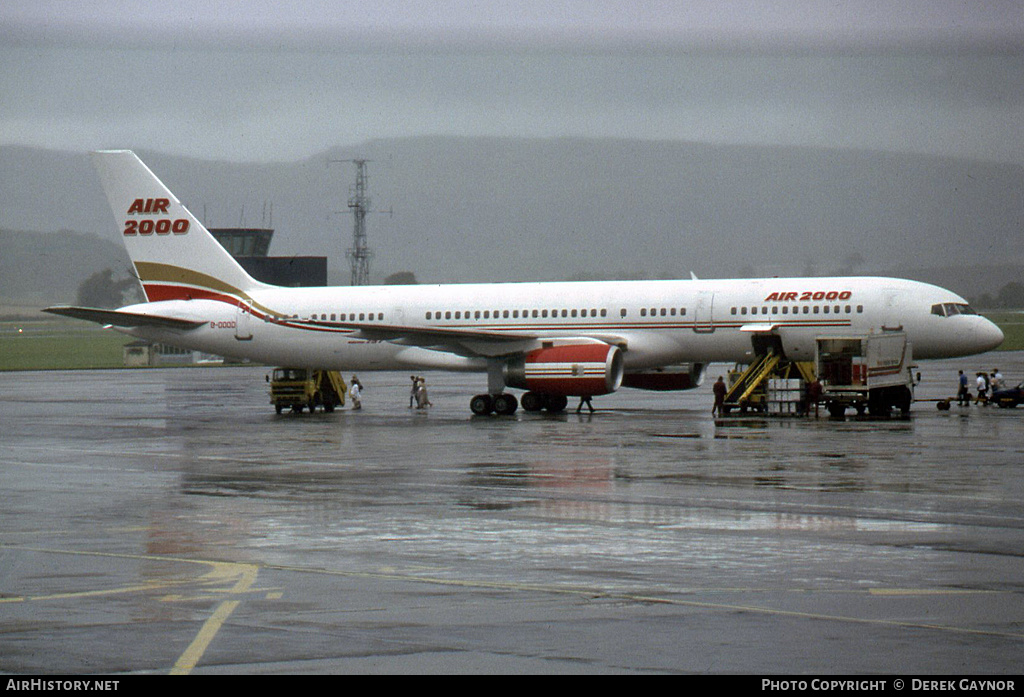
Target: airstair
{"x": 750, "y": 379}
{"x": 769, "y": 384}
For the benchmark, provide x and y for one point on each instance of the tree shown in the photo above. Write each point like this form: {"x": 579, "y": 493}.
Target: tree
{"x": 1011, "y": 295}
{"x": 101, "y": 290}
{"x": 402, "y": 278}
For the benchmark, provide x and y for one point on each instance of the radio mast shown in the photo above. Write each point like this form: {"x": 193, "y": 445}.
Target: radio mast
{"x": 360, "y": 254}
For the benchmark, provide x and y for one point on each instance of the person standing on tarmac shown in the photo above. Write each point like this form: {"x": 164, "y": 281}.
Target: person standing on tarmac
{"x": 422, "y": 400}
{"x": 963, "y": 395}
{"x": 813, "y": 396}
{"x": 355, "y": 391}
{"x": 719, "y": 389}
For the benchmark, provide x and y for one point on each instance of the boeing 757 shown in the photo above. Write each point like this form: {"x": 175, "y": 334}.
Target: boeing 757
{"x": 554, "y": 340}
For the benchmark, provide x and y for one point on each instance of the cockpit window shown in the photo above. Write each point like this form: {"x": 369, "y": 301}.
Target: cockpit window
{"x": 950, "y": 309}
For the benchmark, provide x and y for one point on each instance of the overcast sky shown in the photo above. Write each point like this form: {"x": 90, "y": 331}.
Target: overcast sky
{"x": 279, "y": 80}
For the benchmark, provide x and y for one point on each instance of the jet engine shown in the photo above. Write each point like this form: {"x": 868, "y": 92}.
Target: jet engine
{"x": 685, "y": 376}
{"x": 569, "y": 367}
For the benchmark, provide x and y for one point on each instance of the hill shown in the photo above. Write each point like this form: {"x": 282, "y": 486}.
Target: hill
{"x": 505, "y": 209}
{"x": 39, "y": 269}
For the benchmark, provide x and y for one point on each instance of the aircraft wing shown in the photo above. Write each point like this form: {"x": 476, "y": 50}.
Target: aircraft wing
{"x": 119, "y": 318}
{"x": 467, "y": 341}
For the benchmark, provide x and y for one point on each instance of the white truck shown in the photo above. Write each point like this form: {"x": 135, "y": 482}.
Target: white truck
{"x": 871, "y": 372}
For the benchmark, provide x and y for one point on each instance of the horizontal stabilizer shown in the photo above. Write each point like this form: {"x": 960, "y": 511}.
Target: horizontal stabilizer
{"x": 119, "y": 318}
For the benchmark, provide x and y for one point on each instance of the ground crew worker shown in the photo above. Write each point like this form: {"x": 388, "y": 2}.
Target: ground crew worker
{"x": 719, "y": 389}
{"x": 813, "y": 396}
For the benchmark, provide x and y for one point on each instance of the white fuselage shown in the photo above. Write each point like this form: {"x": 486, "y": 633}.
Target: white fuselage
{"x": 655, "y": 323}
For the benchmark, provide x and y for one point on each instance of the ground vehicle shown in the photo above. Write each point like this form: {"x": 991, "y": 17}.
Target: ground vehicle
{"x": 871, "y": 372}
{"x": 299, "y": 388}
{"x": 1010, "y": 397}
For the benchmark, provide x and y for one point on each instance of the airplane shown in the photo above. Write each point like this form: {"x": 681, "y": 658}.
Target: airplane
{"x": 554, "y": 339}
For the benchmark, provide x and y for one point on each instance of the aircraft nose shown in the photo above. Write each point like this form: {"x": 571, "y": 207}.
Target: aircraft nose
{"x": 988, "y": 336}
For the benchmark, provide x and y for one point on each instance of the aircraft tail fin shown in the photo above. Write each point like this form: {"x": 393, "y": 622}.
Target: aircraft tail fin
{"x": 175, "y": 256}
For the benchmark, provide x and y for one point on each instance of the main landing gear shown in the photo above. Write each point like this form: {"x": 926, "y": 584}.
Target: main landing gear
{"x": 502, "y": 404}
{"x": 506, "y": 404}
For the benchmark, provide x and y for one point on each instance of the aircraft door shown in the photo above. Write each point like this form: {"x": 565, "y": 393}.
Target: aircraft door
{"x": 891, "y": 318}
{"x": 702, "y": 312}
{"x": 243, "y": 321}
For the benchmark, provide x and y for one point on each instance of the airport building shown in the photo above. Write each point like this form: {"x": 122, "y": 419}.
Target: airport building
{"x": 251, "y": 246}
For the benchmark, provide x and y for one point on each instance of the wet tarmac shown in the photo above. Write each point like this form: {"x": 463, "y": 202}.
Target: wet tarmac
{"x": 167, "y": 520}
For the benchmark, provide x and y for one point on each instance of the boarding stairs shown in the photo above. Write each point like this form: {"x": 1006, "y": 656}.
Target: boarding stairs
{"x": 784, "y": 380}
{"x": 751, "y": 378}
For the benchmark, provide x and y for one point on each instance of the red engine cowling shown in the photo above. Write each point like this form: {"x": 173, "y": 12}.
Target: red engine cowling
{"x": 585, "y": 368}
{"x": 685, "y": 376}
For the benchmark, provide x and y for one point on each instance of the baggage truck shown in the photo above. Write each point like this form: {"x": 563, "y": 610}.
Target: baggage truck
{"x": 870, "y": 373}
{"x": 299, "y": 388}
